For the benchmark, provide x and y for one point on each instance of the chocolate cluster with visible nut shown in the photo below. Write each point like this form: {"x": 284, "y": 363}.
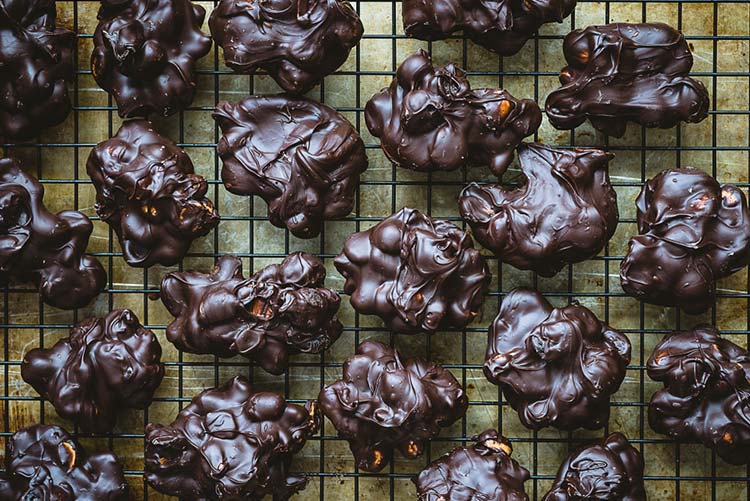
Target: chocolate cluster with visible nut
{"x": 430, "y": 119}
{"x": 564, "y": 213}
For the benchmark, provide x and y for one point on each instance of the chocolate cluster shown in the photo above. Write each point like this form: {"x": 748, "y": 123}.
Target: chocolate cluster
{"x": 148, "y": 192}
{"x": 415, "y": 272}
{"x": 281, "y": 310}
{"x": 556, "y": 366}
{"x": 47, "y": 249}
{"x": 303, "y": 158}
{"x": 230, "y": 443}
{"x": 624, "y": 72}
{"x": 430, "y": 119}
{"x": 564, "y": 213}
{"x": 297, "y": 42}
{"x": 692, "y": 232}
{"x": 383, "y": 403}
{"x": 145, "y": 54}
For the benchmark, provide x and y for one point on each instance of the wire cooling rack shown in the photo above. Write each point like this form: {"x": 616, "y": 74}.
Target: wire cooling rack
{"x": 719, "y": 34}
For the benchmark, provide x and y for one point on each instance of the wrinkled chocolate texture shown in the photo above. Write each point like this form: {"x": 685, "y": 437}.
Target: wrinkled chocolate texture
{"x": 415, "y": 272}
{"x": 44, "y": 248}
{"x": 611, "y": 469}
{"x": 145, "y": 54}
{"x": 297, "y": 42}
{"x": 706, "y": 394}
{"x": 383, "y": 403}
{"x": 556, "y": 366}
{"x": 303, "y": 158}
{"x": 36, "y": 58}
{"x": 479, "y": 472}
{"x": 148, "y": 192}
{"x": 692, "y": 232}
{"x": 564, "y": 213}
{"x": 430, "y": 119}
{"x": 624, "y": 72}
{"x": 44, "y": 463}
{"x": 231, "y": 442}
{"x": 281, "y": 310}
{"x": 105, "y": 366}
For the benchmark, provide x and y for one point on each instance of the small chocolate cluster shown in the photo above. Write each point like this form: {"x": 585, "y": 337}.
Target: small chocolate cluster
{"x": 430, "y": 119}
{"x": 382, "y": 404}
{"x": 556, "y": 366}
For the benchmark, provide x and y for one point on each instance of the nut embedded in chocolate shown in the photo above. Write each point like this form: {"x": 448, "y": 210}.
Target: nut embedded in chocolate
{"x": 624, "y": 72}
{"x": 147, "y": 191}
{"x": 430, "y": 119}
{"x": 556, "y": 366}
{"x": 564, "y": 213}
{"x": 230, "y": 443}
{"x": 303, "y": 158}
{"x": 692, "y": 233}
{"x": 414, "y": 272}
{"x": 382, "y": 404}
{"x": 281, "y": 310}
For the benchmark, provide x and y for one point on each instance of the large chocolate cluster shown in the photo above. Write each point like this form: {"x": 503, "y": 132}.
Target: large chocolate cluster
{"x": 692, "y": 233}
{"x": 624, "y": 72}
{"x": 147, "y": 191}
{"x": 383, "y": 403}
{"x": 303, "y": 158}
{"x": 431, "y": 119}
{"x": 556, "y": 366}
{"x": 564, "y": 213}
{"x": 230, "y": 443}
{"x": 281, "y": 310}
{"x": 414, "y": 272}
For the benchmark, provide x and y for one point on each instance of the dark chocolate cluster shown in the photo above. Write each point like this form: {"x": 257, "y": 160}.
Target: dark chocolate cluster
{"x": 414, "y": 272}
{"x": 145, "y": 54}
{"x": 147, "y": 191}
{"x": 230, "y": 443}
{"x": 692, "y": 233}
{"x": 624, "y": 72}
{"x": 611, "y": 469}
{"x": 303, "y": 158}
{"x": 556, "y": 366}
{"x": 281, "y": 310}
{"x": 36, "y": 64}
{"x": 297, "y": 42}
{"x": 383, "y": 403}
{"x": 706, "y": 394}
{"x": 431, "y": 119}
{"x": 483, "y": 471}
{"x": 47, "y": 249}
{"x": 564, "y": 213}
{"x": 44, "y": 463}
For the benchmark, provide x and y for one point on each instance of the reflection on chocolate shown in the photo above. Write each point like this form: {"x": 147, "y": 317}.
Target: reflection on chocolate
{"x": 692, "y": 233}
{"x": 147, "y": 191}
{"x": 430, "y": 119}
{"x": 44, "y": 463}
{"x": 303, "y": 158}
{"x": 624, "y": 72}
{"x": 556, "y": 366}
{"x": 611, "y": 469}
{"x": 230, "y": 443}
{"x": 296, "y": 42}
{"x": 564, "y": 213}
{"x": 281, "y": 310}
{"x": 414, "y": 272}
{"x": 706, "y": 394}
{"x": 47, "y": 249}
{"x": 382, "y": 404}
{"x": 483, "y": 471}
{"x": 145, "y": 54}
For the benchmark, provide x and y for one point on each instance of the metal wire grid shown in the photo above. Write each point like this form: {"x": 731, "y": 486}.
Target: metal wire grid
{"x": 673, "y": 471}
